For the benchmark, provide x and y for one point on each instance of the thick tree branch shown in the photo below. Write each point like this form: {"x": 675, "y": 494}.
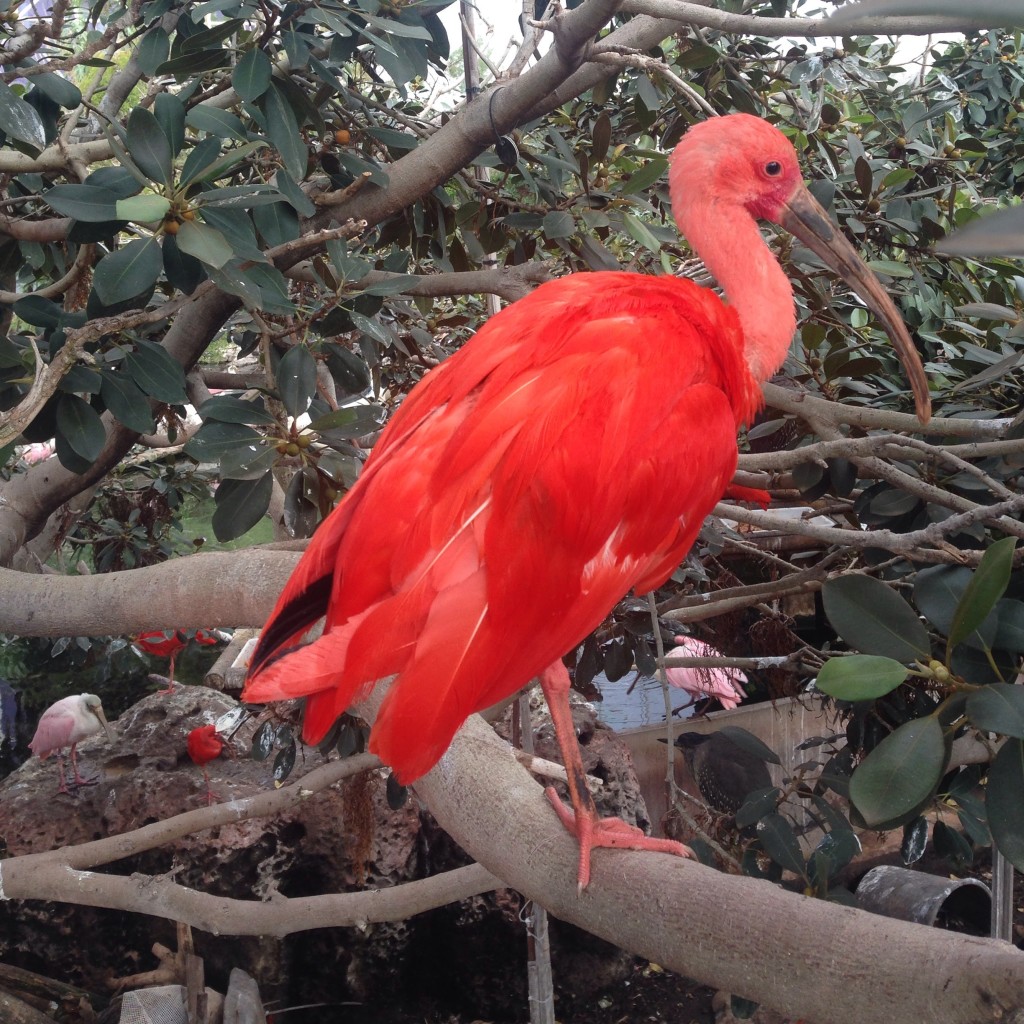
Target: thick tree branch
{"x": 776, "y": 28}
{"x": 217, "y": 588}
{"x": 821, "y": 410}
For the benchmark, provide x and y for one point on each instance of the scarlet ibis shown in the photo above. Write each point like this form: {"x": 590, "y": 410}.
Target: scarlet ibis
{"x": 724, "y": 684}
{"x": 66, "y": 724}
{"x": 169, "y": 644}
{"x": 204, "y": 746}
{"x": 567, "y": 453}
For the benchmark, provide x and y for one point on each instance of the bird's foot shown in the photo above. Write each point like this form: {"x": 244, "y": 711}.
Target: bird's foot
{"x": 167, "y": 690}
{"x": 592, "y": 831}
{"x": 81, "y": 781}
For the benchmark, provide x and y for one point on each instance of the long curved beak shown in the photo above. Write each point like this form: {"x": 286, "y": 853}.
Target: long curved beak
{"x": 98, "y": 712}
{"x": 804, "y": 217}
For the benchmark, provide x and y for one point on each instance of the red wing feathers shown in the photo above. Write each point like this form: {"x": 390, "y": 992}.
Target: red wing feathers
{"x": 520, "y": 491}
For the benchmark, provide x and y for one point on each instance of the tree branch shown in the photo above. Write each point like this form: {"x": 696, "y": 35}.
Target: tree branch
{"x": 776, "y": 28}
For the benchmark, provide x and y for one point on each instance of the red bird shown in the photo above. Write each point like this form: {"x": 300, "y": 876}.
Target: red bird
{"x": 569, "y": 452}
{"x": 204, "y": 746}
{"x": 169, "y": 644}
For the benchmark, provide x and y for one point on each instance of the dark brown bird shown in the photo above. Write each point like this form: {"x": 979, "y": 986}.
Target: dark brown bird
{"x": 726, "y": 773}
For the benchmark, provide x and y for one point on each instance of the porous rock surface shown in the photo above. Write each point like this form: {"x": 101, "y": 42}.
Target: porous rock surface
{"x": 462, "y": 959}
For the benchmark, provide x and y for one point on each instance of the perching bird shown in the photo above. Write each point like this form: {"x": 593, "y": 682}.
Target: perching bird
{"x": 169, "y": 644}
{"x": 204, "y": 746}
{"x": 567, "y": 453}
{"x": 725, "y": 773}
{"x": 724, "y": 684}
{"x": 66, "y": 724}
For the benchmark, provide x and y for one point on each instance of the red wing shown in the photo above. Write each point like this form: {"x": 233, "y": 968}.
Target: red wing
{"x": 518, "y": 493}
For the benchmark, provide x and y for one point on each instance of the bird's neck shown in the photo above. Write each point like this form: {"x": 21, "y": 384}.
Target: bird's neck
{"x": 729, "y": 242}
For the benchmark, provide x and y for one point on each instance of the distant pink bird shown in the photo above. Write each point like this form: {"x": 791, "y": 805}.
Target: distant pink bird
{"x": 724, "y": 684}
{"x": 67, "y": 723}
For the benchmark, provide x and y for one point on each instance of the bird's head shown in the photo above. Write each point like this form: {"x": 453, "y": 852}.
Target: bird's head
{"x": 94, "y": 706}
{"x": 688, "y": 742}
{"x": 739, "y": 160}
{"x": 728, "y": 168}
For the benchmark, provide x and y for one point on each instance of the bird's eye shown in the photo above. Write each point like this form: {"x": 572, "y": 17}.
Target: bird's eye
{"x": 773, "y": 167}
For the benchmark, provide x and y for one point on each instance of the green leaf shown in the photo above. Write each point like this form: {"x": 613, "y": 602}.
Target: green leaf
{"x": 248, "y": 462}
{"x": 296, "y": 379}
{"x": 214, "y": 440}
{"x": 126, "y": 401}
{"x": 558, "y": 224}
{"x": 118, "y": 180}
{"x": 871, "y": 617}
{"x": 641, "y": 233}
{"x": 64, "y": 93}
{"x": 277, "y": 223}
{"x": 232, "y": 409}
{"x": 152, "y": 50}
{"x": 251, "y": 76}
{"x": 215, "y": 121}
{"x": 353, "y": 421}
{"x": 19, "y": 119}
{"x": 156, "y": 372}
{"x": 128, "y": 272}
{"x": 190, "y": 64}
{"x": 988, "y": 584}
{"x": 349, "y": 371}
{"x": 169, "y": 112}
{"x": 1004, "y": 804}
{"x": 243, "y": 197}
{"x": 915, "y": 840}
{"x": 998, "y": 707}
{"x": 283, "y": 132}
{"x": 780, "y": 843}
{"x": 393, "y": 286}
{"x": 81, "y": 378}
{"x": 241, "y": 504}
{"x": 182, "y": 271}
{"x": 83, "y": 202}
{"x": 900, "y": 773}
{"x": 149, "y": 146}
{"x": 80, "y": 425}
{"x": 142, "y": 209}
{"x": 39, "y": 311}
{"x": 263, "y": 742}
{"x": 201, "y": 157}
{"x": 217, "y": 167}
{"x": 1010, "y": 632}
{"x": 938, "y": 591}
{"x": 645, "y": 176}
{"x": 206, "y": 244}
{"x": 290, "y": 190}
{"x": 890, "y": 267}
{"x": 951, "y": 846}
{"x": 900, "y": 176}
{"x": 860, "y": 677}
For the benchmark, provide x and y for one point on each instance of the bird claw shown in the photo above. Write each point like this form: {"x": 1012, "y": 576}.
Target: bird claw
{"x": 614, "y": 833}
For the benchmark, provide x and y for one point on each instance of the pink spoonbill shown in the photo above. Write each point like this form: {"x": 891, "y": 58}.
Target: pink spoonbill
{"x": 724, "y": 684}
{"x": 66, "y": 724}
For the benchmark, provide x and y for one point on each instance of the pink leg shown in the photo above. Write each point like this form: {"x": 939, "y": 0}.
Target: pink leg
{"x": 583, "y": 821}
{"x": 63, "y": 787}
{"x": 79, "y": 781}
{"x": 169, "y": 688}
{"x": 210, "y": 798}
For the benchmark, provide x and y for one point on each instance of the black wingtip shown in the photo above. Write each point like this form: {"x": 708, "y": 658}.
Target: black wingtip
{"x": 290, "y": 621}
